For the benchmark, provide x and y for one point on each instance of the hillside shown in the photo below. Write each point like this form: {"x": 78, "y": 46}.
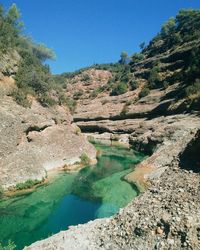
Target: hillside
{"x": 36, "y": 130}
{"x": 152, "y": 104}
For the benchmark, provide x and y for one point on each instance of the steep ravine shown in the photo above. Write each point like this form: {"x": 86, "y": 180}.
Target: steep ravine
{"x": 166, "y": 215}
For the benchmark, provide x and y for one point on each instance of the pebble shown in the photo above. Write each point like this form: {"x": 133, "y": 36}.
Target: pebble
{"x": 159, "y": 230}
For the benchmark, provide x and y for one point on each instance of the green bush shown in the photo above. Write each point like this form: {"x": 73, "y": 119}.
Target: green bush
{"x": 94, "y": 94}
{"x": 144, "y": 92}
{"x": 71, "y": 104}
{"x": 78, "y": 94}
{"x": 21, "y": 98}
{"x": 85, "y": 160}
{"x": 46, "y": 100}
{"x": 85, "y": 78}
{"x": 97, "y": 91}
{"x": 137, "y": 57}
{"x": 133, "y": 85}
{"x": 1, "y": 192}
{"x": 193, "y": 91}
{"x": 119, "y": 89}
{"x": 27, "y": 184}
{"x": 33, "y": 77}
{"x": 165, "y": 84}
{"x": 154, "y": 78}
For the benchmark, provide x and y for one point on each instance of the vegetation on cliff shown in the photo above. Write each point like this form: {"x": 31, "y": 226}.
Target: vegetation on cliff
{"x": 33, "y": 77}
{"x": 176, "y": 33}
{"x": 172, "y": 56}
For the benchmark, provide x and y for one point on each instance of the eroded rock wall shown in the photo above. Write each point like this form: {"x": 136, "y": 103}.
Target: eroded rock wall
{"x": 35, "y": 140}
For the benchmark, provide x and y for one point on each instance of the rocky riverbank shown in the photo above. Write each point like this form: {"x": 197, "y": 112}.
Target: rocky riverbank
{"x": 166, "y": 215}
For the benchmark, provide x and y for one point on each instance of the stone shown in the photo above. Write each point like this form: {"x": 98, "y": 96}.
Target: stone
{"x": 159, "y": 230}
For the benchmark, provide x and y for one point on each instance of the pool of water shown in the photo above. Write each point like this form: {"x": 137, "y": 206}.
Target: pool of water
{"x": 70, "y": 199}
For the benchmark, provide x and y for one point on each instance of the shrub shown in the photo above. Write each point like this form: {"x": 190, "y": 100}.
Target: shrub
{"x": 137, "y": 57}
{"x": 1, "y": 191}
{"x": 71, "y": 104}
{"x": 119, "y": 89}
{"x": 85, "y": 160}
{"x": 193, "y": 91}
{"x": 144, "y": 92}
{"x": 78, "y": 94}
{"x": 125, "y": 77}
{"x": 27, "y": 184}
{"x": 165, "y": 84}
{"x": 62, "y": 99}
{"x": 154, "y": 77}
{"x": 133, "y": 85}
{"x": 21, "y": 98}
{"x": 85, "y": 78}
{"x": 46, "y": 100}
{"x": 94, "y": 94}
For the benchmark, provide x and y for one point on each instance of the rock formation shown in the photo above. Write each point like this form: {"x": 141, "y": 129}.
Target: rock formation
{"x": 156, "y": 111}
{"x": 35, "y": 140}
{"x": 166, "y": 215}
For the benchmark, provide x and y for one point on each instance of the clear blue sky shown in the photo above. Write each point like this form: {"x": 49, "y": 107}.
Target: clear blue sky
{"x": 83, "y": 32}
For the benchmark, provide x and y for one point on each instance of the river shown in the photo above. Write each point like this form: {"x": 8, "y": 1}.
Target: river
{"x": 70, "y": 199}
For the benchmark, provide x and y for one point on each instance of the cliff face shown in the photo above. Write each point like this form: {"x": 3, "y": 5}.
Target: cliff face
{"x": 34, "y": 140}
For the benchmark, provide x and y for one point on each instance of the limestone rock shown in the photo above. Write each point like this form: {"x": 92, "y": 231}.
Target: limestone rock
{"x": 37, "y": 140}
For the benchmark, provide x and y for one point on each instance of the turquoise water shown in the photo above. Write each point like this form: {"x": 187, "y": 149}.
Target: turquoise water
{"x": 70, "y": 199}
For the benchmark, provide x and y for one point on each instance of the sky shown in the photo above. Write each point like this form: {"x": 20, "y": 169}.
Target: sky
{"x": 84, "y": 32}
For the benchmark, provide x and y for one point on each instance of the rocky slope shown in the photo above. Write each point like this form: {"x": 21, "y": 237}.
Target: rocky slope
{"x": 34, "y": 140}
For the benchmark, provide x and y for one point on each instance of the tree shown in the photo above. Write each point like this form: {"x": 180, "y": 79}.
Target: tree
{"x": 142, "y": 45}
{"x": 10, "y": 27}
{"x": 42, "y": 52}
{"x": 124, "y": 57}
{"x": 1, "y": 11}
{"x": 137, "y": 57}
{"x": 13, "y": 15}
{"x": 168, "y": 27}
